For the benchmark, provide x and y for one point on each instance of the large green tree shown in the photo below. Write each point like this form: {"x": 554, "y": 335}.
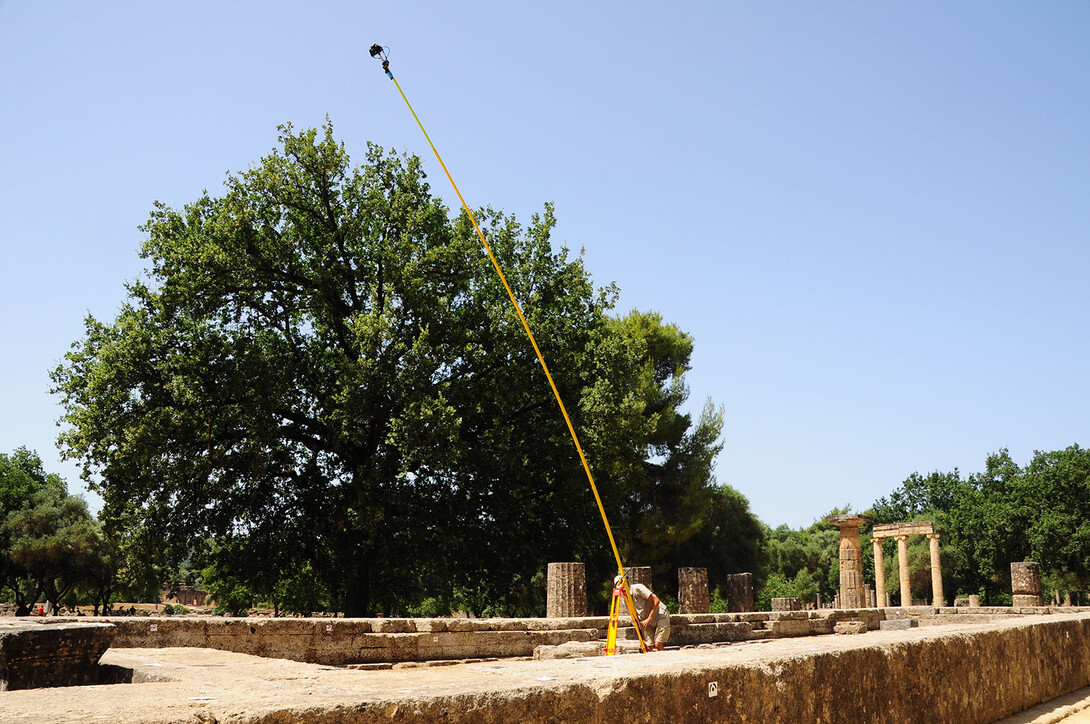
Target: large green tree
{"x": 49, "y": 542}
{"x": 21, "y": 478}
{"x": 320, "y": 367}
{"x": 54, "y": 542}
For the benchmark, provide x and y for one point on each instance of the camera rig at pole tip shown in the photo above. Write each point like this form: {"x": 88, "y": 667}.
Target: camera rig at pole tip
{"x": 377, "y": 51}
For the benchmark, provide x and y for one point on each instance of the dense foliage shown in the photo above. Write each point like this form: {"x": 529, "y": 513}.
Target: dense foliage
{"x": 321, "y": 385}
{"x": 49, "y": 543}
{"x": 1007, "y": 513}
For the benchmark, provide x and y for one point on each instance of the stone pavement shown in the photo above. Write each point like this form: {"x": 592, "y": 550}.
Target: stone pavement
{"x": 881, "y": 676}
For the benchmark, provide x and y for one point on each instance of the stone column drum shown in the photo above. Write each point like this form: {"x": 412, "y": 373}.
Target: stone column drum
{"x": 902, "y": 569}
{"x": 566, "y": 595}
{"x": 639, "y": 574}
{"x": 692, "y": 590}
{"x": 786, "y": 604}
{"x": 852, "y": 594}
{"x": 879, "y": 573}
{"x": 937, "y": 599}
{"x": 740, "y": 592}
{"x": 1026, "y": 584}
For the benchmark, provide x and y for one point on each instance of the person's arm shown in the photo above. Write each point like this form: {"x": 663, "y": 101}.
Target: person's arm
{"x": 653, "y": 610}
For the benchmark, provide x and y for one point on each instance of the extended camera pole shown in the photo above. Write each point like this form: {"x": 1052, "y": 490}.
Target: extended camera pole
{"x": 380, "y": 53}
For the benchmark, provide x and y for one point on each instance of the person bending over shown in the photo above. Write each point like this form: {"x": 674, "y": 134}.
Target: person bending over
{"x": 654, "y": 618}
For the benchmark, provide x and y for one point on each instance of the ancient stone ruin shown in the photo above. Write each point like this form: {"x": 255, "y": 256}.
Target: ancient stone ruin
{"x": 692, "y": 590}
{"x": 639, "y": 574}
{"x": 740, "y": 597}
{"x": 36, "y": 655}
{"x": 852, "y": 594}
{"x": 901, "y": 532}
{"x": 566, "y": 595}
{"x": 1026, "y": 584}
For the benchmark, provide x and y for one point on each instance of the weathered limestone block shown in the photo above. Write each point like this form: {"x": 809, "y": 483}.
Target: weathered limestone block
{"x": 639, "y": 574}
{"x": 1025, "y": 578}
{"x": 961, "y": 603}
{"x": 394, "y": 625}
{"x": 52, "y": 654}
{"x": 1021, "y": 600}
{"x": 786, "y": 604}
{"x": 869, "y": 617}
{"x": 794, "y": 615}
{"x": 692, "y": 590}
{"x": 974, "y": 600}
{"x": 567, "y": 590}
{"x": 740, "y": 592}
{"x": 899, "y": 624}
{"x": 708, "y": 633}
{"x": 799, "y": 627}
{"x": 850, "y": 627}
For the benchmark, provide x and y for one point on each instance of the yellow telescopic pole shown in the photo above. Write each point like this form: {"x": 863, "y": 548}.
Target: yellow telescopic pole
{"x": 537, "y": 350}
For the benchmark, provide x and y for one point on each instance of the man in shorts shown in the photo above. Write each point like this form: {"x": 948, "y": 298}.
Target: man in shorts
{"x": 654, "y": 618}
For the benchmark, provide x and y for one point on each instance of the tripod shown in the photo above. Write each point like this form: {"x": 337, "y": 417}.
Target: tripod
{"x": 620, "y": 592}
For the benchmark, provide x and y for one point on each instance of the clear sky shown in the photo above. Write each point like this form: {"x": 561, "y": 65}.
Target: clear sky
{"x": 874, "y": 218}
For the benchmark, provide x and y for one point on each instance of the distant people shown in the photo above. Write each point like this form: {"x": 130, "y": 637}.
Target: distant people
{"x": 654, "y": 617}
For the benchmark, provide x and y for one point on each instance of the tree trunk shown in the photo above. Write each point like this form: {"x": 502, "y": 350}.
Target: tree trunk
{"x": 357, "y": 591}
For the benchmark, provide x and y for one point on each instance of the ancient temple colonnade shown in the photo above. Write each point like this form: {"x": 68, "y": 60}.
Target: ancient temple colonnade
{"x": 853, "y": 593}
{"x": 901, "y": 532}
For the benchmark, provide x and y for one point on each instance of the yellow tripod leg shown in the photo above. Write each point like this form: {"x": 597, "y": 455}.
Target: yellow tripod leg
{"x": 614, "y": 620}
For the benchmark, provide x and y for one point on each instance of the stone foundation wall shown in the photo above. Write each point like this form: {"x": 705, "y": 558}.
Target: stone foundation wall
{"x": 963, "y": 677}
{"x": 339, "y": 641}
{"x": 59, "y": 653}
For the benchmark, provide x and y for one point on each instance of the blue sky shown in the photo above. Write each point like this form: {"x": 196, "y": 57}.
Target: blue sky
{"x": 874, "y": 219}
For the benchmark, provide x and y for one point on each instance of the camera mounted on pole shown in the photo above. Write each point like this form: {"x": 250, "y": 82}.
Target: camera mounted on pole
{"x": 377, "y": 51}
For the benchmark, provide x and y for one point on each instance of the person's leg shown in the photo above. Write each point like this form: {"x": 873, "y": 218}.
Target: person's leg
{"x": 662, "y": 632}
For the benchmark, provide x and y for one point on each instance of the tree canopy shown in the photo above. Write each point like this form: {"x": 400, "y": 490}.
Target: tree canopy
{"x": 49, "y": 542}
{"x": 319, "y": 371}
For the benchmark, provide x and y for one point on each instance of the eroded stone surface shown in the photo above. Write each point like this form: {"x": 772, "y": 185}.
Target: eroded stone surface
{"x": 959, "y": 673}
{"x": 740, "y": 592}
{"x": 36, "y": 655}
{"x": 692, "y": 587}
{"x": 901, "y": 624}
{"x": 566, "y": 593}
{"x": 1025, "y": 578}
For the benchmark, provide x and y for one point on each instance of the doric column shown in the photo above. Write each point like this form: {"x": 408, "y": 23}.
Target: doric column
{"x": 902, "y": 568}
{"x": 692, "y": 590}
{"x": 937, "y": 598}
{"x": 851, "y": 560}
{"x": 879, "y": 572}
{"x": 566, "y": 592}
{"x": 740, "y": 592}
{"x": 639, "y": 574}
